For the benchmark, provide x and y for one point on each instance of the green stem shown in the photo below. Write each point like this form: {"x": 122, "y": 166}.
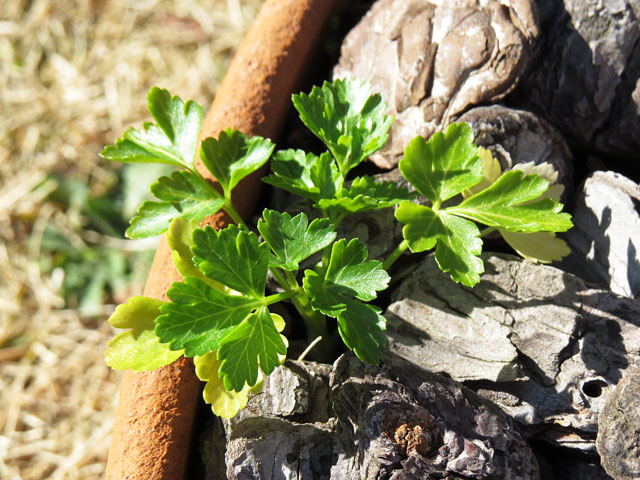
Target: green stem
{"x": 315, "y": 322}
{"x": 279, "y": 297}
{"x": 338, "y": 220}
{"x": 326, "y": 256}
{"x": 393, "y": 256}
{"x": 486, "y": 231}
{"x": 291, "y": 279}
{"x": 228, "y": 207}
{"x": 280, "y": 278}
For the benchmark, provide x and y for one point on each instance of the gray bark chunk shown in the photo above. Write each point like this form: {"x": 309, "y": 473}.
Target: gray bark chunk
{"x": 534, "y": 339}
{"x": 433, "y": 60}
{"x": 272, "y": 448}
{"x": 296, "y": 389}
{"x": 400, "y": 422}
{"x": 619, "y": 429}
{"x": 605, "y": 241}
{"x": 395, "y": 421}
{"x": 285, "y": 432}
{"x": 588, "y": 81}
{"x": 517, "y": 136}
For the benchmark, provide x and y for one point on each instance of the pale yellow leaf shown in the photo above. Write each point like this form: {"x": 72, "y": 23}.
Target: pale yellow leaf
{"x": 538, "y": 247}
{"x": 546, "y": 171}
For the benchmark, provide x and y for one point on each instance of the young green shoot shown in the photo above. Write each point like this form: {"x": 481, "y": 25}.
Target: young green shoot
{"x": 220, "y": 312}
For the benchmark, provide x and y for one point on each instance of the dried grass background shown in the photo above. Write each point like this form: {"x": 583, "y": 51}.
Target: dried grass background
{"x": 73, "y": 75}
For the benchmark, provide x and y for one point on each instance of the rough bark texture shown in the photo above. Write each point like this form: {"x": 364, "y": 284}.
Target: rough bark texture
{"x": 537, "y": 341}
{"x": 517, "y": 136}
{"x": 364, "y": 422}
{"x": 431, "y": 61}
{"x": 400, "y": 422}
{"x": 605, "y": 242}
{"x": 619, "y": 429}
{"x": 587, "y": 83}
{"x": 156, "y": 409}
{"x": 284, "y": 432}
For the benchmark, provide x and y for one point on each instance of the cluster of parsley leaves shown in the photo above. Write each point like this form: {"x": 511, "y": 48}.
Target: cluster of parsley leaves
{"x": 219, "y": 314}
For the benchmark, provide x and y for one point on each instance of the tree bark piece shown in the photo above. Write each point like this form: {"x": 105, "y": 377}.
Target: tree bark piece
{"x": 605, "y": 247}
{"x": 619, "y": 428}
{"x": 587, "y": 83}
{"x": 357, "y": 421}
{"x": 401, "y": 422}
{"x": 156, "y": 409}
{"x": 284, "y": 432}
{"x": 517, "y": 136}
{"x": 433, "y": 60}
{"x": 565, "y": 345}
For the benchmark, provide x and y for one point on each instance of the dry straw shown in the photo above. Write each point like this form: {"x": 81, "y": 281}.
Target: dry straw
{"x": 73, "y": 75}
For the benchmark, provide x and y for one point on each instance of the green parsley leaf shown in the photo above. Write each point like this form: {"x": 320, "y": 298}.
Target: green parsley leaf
{"x": 449, "y": 164}
{"x": 138, "y": 348}
{"x": 233, "y": 156}
{"x": 233, "y": 257}
{"x": 255, "y": 342}
{"x": 445, "y": 165}
{"x": 347, "y": 118}
{"x": 458, "y": 243}
{"x": 200, "y": 316}
{"x": 184, "y": 195}
{"x": 507, "y": 205}
{"x": 225, "y": 404}
{"x": 173, "y": 140}
{"x": 306, "y": 175}
{"x": 539, "y": 247}
{"x": 359, "y": 324}
{"x": 349, "y": 268}
{"x": 350, "y": 274}
{"x": 293, "y": 239}
{"x": 366, "y": 194}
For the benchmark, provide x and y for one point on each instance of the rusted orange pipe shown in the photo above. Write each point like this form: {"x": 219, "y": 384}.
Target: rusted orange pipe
{"x": 156, "y": 409}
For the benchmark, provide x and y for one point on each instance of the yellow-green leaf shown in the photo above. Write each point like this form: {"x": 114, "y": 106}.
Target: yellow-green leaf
{"x": 138, "y": 349}
{"x": 180, "y": 240}
{"x": 491, "y": 171}
{"x": 544, "y": 169}
{"x": 225, "y": 404}
{"x": 279, "y": 323}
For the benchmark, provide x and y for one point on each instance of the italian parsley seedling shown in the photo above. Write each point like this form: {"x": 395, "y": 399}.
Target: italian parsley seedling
{"x": 220, "y": 313}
